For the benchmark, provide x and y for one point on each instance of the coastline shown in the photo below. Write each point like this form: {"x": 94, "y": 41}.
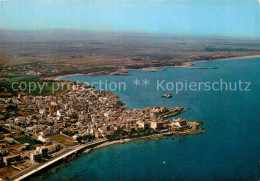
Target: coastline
{"x": 77, "y": 153}
{"x": 108, "y": 143}
{"x": 127, "y": 140}
{"x": 187, "y": 64}
{"x": 232, "y": 58}
{"x": 71, "y": 156}
{"x": 152, "y": 69}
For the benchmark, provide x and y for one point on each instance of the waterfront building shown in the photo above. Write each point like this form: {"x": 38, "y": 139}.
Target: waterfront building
{"x": 8, "y": 160}
{"x": 143, "y": 124}
{"x": 179, "y": 122}
{"x": 35, "y": 156}
{"x": 156, "y": 125}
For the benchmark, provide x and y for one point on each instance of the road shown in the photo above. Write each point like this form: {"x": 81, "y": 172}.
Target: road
{"x": 59, "y": 155}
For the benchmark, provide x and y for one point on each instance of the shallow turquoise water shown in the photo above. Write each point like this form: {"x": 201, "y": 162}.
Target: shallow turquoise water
{"x": 229, "y": 150}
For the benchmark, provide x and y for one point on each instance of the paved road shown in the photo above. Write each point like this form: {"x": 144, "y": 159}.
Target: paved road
{"x": 60, "y": 155}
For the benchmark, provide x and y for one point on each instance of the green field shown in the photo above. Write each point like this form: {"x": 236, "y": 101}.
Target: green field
{"x": 13, "y": 83}
{"x": 27, "y": 139}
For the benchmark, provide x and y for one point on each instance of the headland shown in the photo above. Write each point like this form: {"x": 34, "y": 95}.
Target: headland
{"x": 79, "y": 118}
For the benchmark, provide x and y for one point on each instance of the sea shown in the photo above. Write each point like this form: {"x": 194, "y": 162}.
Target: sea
{"x": 229, "y": 150}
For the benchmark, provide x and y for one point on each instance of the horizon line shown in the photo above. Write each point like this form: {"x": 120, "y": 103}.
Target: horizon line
{"x": 129, "y": 32}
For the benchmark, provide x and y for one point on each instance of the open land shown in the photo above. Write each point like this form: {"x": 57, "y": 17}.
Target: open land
{"x": 64, "y": 52}
{"x": 39, "y": 129}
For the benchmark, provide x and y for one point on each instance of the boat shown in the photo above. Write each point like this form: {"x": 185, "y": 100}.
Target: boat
{"x": 167, "y": 95}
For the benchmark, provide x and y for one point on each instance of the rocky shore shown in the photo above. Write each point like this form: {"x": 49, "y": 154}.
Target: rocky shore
{"x": 193, "y": 129}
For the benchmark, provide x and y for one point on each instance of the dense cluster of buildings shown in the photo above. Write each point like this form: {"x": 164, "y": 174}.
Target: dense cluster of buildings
{"x": 81, "y": 113}
{"x": 28, "y": 69}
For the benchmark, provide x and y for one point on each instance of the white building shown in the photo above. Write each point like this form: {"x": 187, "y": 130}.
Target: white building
{"x": 143, "y": 124}
{"x": 156, "y": 125}
{"x": 43, "y": 139}
{"x": 179, "y": 122}
{"x": 61, "y": 113}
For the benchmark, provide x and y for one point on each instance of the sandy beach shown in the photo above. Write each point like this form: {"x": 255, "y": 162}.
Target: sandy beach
{"x": 127, "y": 140}
{"x": 231, "y": 58}
{"x": 112, "y": 143}
{"x": 152, "y": 69}
{"x": 122, "y": 141}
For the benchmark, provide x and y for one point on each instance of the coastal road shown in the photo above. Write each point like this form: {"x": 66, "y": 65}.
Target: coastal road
{"x": 27, "y": 170}
{"x": 62, "y": 154}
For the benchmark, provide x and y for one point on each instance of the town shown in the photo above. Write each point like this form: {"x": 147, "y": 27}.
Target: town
{"x": 36, "y": 129}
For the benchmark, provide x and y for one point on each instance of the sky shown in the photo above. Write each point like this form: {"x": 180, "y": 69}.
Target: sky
{"x": 178, "y": 17}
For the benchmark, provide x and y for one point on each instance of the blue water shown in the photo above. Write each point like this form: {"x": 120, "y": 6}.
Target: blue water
{"x": 229, "y": 150}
